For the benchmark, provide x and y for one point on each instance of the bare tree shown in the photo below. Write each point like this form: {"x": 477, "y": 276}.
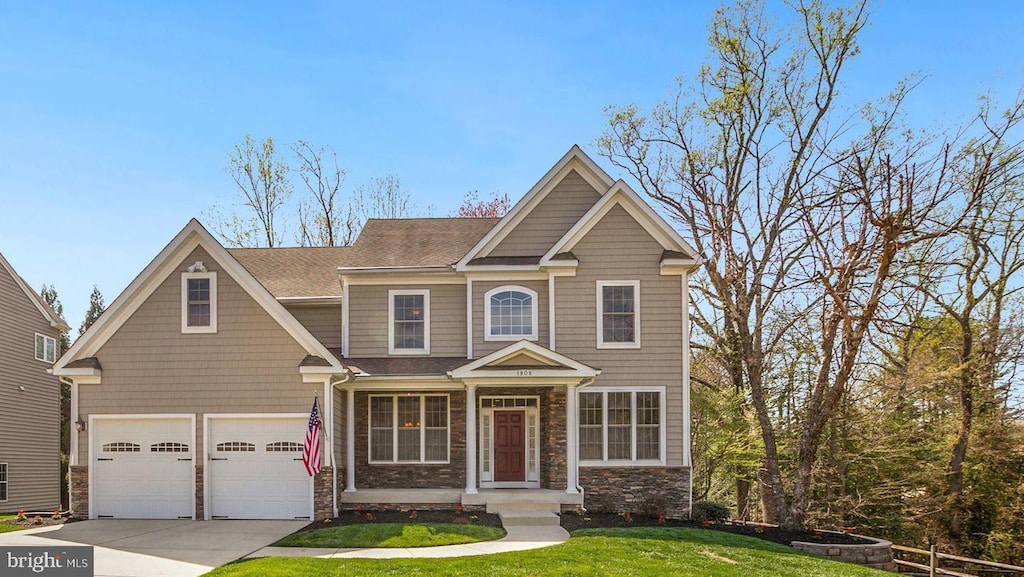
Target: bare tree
{"x": 261, "y": 177}
{"x": 473, "y": 207}
{"x": 324, "y": 218}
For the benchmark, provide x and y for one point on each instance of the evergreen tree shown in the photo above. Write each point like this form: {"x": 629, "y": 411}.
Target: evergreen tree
{"x": 96, "y": 307}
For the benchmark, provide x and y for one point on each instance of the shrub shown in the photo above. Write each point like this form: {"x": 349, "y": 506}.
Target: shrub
{"x": 710, "y": 511}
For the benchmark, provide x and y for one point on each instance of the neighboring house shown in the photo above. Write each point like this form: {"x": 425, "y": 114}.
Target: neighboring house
{"x": 543, "y": 354}
{"x": 29, "y": 397}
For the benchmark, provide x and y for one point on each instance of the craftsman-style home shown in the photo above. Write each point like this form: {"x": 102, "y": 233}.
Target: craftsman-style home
{"x": 543, "y": 355}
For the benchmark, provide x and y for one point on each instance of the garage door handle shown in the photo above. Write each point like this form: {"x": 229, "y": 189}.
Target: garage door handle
{"x": 297, "y": 459}
{"x": 186, "y": 459}
{"x": 105, "y": 459}
{"x": 218, "y": 458}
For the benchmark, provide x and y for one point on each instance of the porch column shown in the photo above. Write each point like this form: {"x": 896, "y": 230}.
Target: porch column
{"x": 350, "y": 440}
{"x": 471, "y": 439}
{"x": 571, "y": 470}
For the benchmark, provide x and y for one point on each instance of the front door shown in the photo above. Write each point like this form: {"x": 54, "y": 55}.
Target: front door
{"x": 509, "y": 446}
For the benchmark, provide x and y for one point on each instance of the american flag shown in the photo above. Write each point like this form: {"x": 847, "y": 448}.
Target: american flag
{"x": 311, "y": 450}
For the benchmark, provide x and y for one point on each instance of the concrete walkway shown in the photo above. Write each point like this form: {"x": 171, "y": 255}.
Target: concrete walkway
{"x": 517, "y": 538}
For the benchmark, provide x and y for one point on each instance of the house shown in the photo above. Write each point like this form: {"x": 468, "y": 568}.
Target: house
{"x": 29, "y": 397}
{"x": 542, "y": 355}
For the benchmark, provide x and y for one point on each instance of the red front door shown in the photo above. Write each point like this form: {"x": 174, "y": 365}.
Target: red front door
{"x": 509, "y": 445}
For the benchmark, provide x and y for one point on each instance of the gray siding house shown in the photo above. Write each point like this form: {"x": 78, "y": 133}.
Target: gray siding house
{"x": 543, "y": 356}
{"x": 29, "y": 397}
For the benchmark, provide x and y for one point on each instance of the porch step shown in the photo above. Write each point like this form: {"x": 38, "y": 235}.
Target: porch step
{"x": 523, "y": 505}
{"x": 528, "y": 519}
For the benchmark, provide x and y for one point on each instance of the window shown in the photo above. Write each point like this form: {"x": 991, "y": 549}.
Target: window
{"x": 620, "y": 425}
{"x": 409, "y": 429}
{"x": 121, "y": 447}
{"x": 236, "y": 447}
{"x": 284, "y": 447}
{"x": 168, "y": 447}
{"x": 3, "y": 481}
{"x": 199, "y": 302}
{"x": 409, "y": 322}
{"x": 618, "y": 314}
{"x": 46, "y": 348}
{"x": 510, "y": 314}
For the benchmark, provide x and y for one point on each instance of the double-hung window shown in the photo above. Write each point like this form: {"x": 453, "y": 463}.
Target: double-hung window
{"x": 619, "y": 425}
{"x": 409, "y": 428}
{"x": 510, "y": 314}
{"x": 409, "y": 322}
{"x": 3, "y": 482}
{"x": 199, "y": 302}
{"x": 46, "y": 348}
{"x": 618, "y": 314}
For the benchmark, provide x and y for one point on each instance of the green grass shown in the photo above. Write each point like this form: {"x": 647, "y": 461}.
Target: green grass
{"x": 642, "y": 551}
{"x": 391, "y": 535}
{"x": 7, "y": 527}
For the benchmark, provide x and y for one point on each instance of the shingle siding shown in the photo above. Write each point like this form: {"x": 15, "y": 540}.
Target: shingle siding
{"x": 550, "y": 219}
{"x": 368, "y": 325}
{"x": 250, "y": 365}
{"x": 323, "y": 321}
{"x": 483, "y": 347}
{"x": 29, "y": 419}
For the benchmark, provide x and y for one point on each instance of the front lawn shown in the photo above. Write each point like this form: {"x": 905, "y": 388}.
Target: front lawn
{"x": 391, "y": 535}
{"x": 6, "y": 525}
{"x": 641, "y": 551}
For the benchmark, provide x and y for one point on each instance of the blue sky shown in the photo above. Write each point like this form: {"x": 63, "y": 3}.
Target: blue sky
{"x": 116, "y": 118}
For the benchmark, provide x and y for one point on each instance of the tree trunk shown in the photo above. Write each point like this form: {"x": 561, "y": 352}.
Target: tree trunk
{"x": 770, "y": 511}
{"x": 743, "y": 498}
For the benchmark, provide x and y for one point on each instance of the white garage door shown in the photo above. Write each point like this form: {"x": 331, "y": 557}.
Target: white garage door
{"x": 142, "y": 468}
{"x": 255, "y": 468}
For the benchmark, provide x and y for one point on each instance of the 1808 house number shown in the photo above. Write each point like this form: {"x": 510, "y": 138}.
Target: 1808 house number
{"x": 524, "y": 373}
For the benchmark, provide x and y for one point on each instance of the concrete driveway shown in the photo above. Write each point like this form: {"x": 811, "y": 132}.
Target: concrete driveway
{"x": 145, "y": 548}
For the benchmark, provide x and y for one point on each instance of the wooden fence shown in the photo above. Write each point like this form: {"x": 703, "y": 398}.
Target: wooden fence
{"x": 932, "y": 564}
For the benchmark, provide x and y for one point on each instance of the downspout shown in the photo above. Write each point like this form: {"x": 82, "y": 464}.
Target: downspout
{"x": 334, "y": 464}
{"x": 583, "y": 495}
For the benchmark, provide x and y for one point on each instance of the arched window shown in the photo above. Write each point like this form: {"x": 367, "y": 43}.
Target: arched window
{"x": 510, "y": 314}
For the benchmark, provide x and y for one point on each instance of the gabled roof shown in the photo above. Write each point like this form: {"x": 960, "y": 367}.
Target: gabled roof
{"x": 548, "y": 364}
{"x": 622, "y": 195}
{"x": 165, "y": 263}
{"x": 575, "y": 159}
{"x": 295, "y": 272}
{"x": 46, "y": 310}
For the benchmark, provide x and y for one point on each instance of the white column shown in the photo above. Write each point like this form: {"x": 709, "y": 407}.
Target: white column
{"x": 571, "y": 470}
{"x": 350, "y": 440}
{"x": 471, "y": 439}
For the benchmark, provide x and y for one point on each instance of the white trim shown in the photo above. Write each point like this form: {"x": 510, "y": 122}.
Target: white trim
{"x": 170, "y": 259}
{"x": 350, "y": 440}
{"x": 37, "y": 300}
{"x": 652, "y": 222}
{"x": 471, "y": 432}
{"x": 392, "y": 350}
{"x": 46, "y": 340}
{"x": 346, "y": 301}
{"x": 207, "y": 498}
{"x": 576, "y": 159}
{"x": 193, "y": 453}
{"x": 601, "y": 344}
{"x": 310, "y": 301}
{"x": 469, "y": 318}
{"x": 500, "y": 274}
{"x": 394, "y": 426}
{"x": 198, "y": 329}
{"x": 571, "y": 443}
{"x": 551, "y": 312}
{"x": 478, "y": 368}
{"x": 402, "y": 277}
{"x": 534, "y": 306}
{"x": 532, "y": 451}
{"x": 6, "y": 482}
{"x": 687, "y": 457}
{"x": 662, "y": 428}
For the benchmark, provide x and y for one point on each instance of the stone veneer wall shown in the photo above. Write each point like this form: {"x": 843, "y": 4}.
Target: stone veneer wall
{"x": 200, "y": 502}
{"x": 646, "y": 490}
{"x": 877, "y": 554}
{"x": 80, "y": 491}
{"x": 451, "y": 475}
{"x": 323, "y": 503}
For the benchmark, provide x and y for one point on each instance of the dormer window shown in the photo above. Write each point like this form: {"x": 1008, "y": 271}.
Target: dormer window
{"x": 510, "y": 314}
{"x": 199, "y": 301}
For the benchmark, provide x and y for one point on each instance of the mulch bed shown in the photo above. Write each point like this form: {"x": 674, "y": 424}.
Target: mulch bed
{"x": 30, "y": 521}
{"x": 594, "y": 520}
{"x": 364, "y": 516}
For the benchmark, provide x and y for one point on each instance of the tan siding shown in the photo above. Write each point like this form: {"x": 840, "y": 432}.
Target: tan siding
{"x": 550, "y": 219}
{"x": 324, "y": 321}
{"x": 618, "y": 248}
{"x": 29, "y": 419}
{"x": 368, "y": 324}
{"x": 249, "y": 366}
{"x": 482, "y": 347}
{"x": 521, "y": 361}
